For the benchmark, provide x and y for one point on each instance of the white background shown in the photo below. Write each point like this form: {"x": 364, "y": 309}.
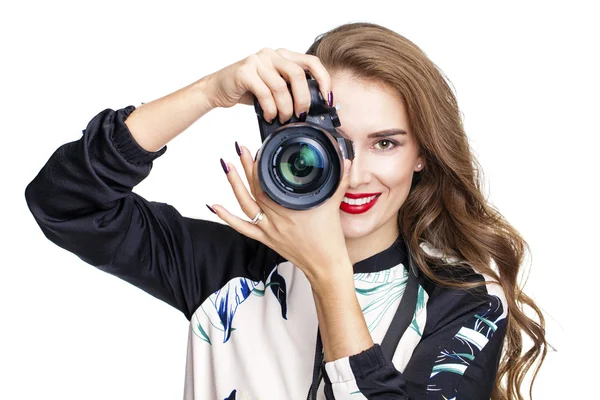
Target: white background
{"x": 526, "y": 78}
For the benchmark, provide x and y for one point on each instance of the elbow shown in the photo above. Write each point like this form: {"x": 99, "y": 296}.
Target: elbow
{"x": 33, "y": 200}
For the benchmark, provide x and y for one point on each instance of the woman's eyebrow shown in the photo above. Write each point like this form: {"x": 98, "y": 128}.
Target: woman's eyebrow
{"x": 380, "y": 134}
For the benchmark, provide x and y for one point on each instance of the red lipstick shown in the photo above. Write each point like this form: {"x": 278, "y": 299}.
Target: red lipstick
{"x": 358, "y": 209}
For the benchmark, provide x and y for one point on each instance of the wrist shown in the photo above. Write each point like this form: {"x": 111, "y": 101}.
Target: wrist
{"x": 330, "y": 279}
{"x": 202, "y": 93}
{"x": 343, "y": 327}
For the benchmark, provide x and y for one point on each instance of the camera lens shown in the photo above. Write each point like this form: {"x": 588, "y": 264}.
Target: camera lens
{"x": 300, "y": 164}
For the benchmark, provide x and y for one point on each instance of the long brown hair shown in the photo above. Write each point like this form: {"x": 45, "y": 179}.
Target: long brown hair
{"x": 446, "y": 208}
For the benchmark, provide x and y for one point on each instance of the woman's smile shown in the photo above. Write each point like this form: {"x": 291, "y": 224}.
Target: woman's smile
{"x": 358, "y": 203}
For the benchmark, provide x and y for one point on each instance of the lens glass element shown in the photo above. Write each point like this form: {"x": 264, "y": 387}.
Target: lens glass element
{"x": 300, "y": 164}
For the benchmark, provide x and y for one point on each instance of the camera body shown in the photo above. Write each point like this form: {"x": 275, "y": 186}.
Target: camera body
{"x": 300, "y": 164}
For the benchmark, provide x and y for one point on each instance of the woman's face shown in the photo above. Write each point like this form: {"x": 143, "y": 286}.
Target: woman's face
{"x": 374, "y": 118}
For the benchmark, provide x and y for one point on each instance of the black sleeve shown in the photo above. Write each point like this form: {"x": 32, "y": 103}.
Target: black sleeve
{"x": 461, "y": 347}
{"x": 457, "y": 357}
{"x": 82, "y": 200}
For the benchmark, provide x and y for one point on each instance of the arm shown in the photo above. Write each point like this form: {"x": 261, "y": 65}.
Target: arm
{"x": 341, "y": 322}
{"x": 82, "y": 200}
{"x": 154, "y": 124}
{"x": 457, "y": 356}
{"x": 353, "y": 364}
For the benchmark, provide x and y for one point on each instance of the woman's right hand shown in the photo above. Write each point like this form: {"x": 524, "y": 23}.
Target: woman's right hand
{"x": 265, "y": 74}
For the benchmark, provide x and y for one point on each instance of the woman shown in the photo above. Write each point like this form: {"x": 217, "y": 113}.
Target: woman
{"x": 300, "y": 303}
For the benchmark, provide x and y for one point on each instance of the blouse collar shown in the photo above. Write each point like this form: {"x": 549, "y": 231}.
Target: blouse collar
{"x": 388, "y": 258}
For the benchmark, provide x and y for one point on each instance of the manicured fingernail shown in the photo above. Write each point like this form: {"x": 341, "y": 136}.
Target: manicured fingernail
{"x": 302, "y": 116}
{"x": 225, "y": 167}
{"x": 330, "y": 99}
{"x": 237, "y": 149}
{"x": 211, "y": 209}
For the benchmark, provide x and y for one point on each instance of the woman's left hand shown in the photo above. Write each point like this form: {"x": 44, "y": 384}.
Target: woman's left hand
{"x": 312, "y": 239}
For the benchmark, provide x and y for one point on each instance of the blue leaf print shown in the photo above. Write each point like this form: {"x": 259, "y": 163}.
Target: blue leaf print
{"x": 221, "y": 306}
{"x": 228, "y": 299}
{"x": 231, "y": 395}
{"x": 278, "y": 287}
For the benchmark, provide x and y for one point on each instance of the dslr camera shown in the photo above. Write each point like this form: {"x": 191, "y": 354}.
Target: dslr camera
{"x": 300, "y": 164}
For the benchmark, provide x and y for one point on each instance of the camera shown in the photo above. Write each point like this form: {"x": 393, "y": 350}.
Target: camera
{"x": 300, "y": 164}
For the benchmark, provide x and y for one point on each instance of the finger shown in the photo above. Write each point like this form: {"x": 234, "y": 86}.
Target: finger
{"x": 279, "y": 90}
{"x": 247, "y": 161}
{"x": 314, "y": 66}
{"x": 251, "y": 171}
{"x": 259, "y": 88}
{"x": 278, "y": 86}
{"x": 296, "y": 76}
{"x": 247, "y": 203}
{"x": 244, "y": 227}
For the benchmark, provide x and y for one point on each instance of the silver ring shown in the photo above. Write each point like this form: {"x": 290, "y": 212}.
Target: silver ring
{"x": 258, "y": 217}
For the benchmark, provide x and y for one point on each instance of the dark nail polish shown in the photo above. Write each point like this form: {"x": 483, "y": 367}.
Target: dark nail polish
{"x": 302, "y": 116}
{"x": 225, "y": 168}
{"x": 237, "y": 149}
{"x": 211, "y": 209}
{"x": 330, "y": 99}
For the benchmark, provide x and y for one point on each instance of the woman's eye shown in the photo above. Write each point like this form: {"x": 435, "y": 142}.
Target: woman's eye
{"x": 385, "y": 145}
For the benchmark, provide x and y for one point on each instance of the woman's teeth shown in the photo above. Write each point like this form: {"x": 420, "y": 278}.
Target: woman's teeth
{"x": 358, "y": 202}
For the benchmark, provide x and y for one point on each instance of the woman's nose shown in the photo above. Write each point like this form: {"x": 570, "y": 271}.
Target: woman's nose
{"x": 359, "y": 172}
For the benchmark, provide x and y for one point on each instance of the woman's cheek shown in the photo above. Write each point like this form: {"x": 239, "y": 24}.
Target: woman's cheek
{"x": 395, "y": 172}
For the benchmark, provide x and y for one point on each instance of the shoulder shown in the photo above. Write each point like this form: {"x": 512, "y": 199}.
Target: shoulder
{"x": 463, "y": 333}
{"x": 446, "y": 303}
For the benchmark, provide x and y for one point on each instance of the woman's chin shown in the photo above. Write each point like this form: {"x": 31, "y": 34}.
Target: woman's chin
{"x": 354, "y": 230}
